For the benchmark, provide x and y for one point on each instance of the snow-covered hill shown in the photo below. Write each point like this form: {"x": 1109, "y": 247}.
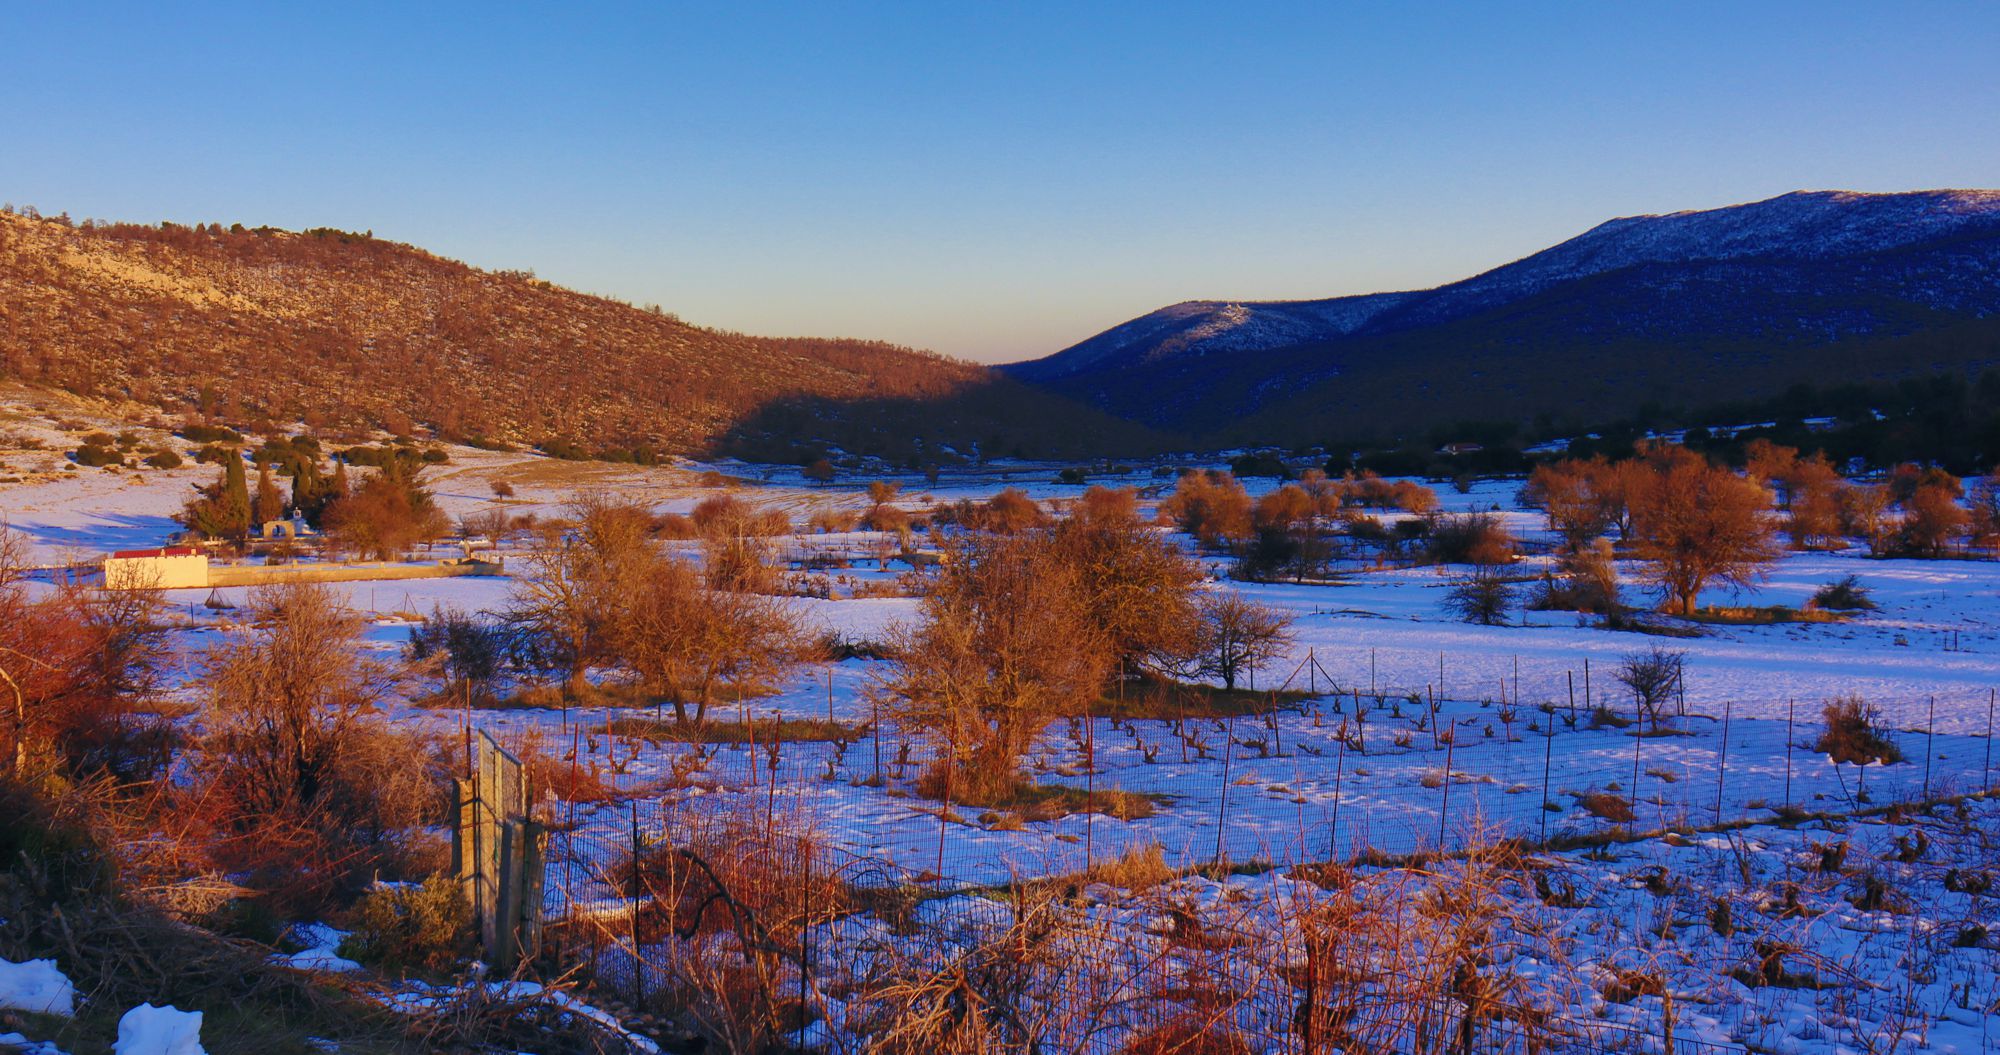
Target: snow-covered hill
{"x": 1796, "y": 272}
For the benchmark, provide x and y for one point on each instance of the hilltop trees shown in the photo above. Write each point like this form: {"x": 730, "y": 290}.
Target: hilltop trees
{"x": 1698, "y": 523}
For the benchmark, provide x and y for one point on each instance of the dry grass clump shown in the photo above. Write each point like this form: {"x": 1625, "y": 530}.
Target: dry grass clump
{"x": 833, "y": 521}
{"x": 566, "y": 776}
{"x": 1036, "y": 802}
{"x": 1607, "y": 806}
{"x": 1845, "y": 594}
{"x": 728, "y": 515}
{"x": 1852, "y": 736}
{"x": 1138, "y": 867}
{"x": 60, "y": 899}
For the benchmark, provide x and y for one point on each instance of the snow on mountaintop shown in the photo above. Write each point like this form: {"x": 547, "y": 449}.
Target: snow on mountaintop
{"x": 1800, "y": 226}
{"x": 1203, "y": 327}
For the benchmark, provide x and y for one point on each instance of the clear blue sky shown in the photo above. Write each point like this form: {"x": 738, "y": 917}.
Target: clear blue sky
{"x": 995, "y": 181}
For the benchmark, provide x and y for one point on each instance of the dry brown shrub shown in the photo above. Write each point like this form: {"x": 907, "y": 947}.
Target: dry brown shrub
{"x": 833, "y": 521}
{"x": 727, "y": 893}
{"x": 299, "y": 787}
{"x": 1212, "y": 506}
{"x": 675, "y": 526}
{"x": 1852, "y": 734}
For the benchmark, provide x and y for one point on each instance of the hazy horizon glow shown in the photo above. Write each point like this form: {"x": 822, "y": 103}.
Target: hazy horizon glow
{"x": 991, "y": 182}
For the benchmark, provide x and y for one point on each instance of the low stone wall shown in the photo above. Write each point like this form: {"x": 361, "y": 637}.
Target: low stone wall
{"x": 262, "y": 574}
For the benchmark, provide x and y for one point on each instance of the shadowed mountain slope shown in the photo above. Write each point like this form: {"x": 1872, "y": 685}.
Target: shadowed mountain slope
{"x": 1691, "y": 307}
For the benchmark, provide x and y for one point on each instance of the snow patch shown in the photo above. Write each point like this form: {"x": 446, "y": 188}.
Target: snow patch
{"x": 37, "y": 986}
{"x": 149, "y": 1030}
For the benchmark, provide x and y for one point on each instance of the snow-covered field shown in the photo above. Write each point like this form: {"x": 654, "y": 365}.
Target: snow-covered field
{"x": 1290, "y": 786}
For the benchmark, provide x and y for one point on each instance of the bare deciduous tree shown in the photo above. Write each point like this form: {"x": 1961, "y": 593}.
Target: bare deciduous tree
{"x": 1698, "y": 523}
{"x": 1007, "y": 643}
{"x": 685, "y": 640}
{"x": 306, "y": 792}
{"x": 1654, "y": 676}
{"x": 1212, "y": 506}
{"x": 1238, "y": 636}
{"x": 1483, "y": 597}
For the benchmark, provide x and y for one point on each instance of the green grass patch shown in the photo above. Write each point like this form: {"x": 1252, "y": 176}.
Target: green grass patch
{"x": 1752, "y": 615}
{"x": 735, "y": 731}
{"x": 1048, "y": 802}
{"x": 552, "y": 697}
{"x": 1166, "y": 700}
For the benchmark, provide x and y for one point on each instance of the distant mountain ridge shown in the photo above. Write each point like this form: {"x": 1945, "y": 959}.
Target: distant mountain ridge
{"x": 355, "y": 331}
{"x": 1636, "y": 308}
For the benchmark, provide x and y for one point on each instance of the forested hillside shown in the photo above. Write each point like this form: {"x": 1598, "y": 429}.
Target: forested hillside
{"x": 347, "y": 330}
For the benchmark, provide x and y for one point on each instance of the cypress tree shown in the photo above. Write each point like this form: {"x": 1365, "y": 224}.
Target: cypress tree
{"x": 268, "y": 505}
{"x": 309, "y": 492}
{"x": 233, "y": 511}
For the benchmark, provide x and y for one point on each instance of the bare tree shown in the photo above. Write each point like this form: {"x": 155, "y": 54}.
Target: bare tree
{"x": 78, "y": 670}
{"x": 1212, "y": 506}
{"x": 1813, "y": 508}
{"x": 287, "y": 699}
{"x": 1482, "y": 597}
{"x": 307, "y": 793}
{"x": 387, "y": 514}
{"x": 1137, "y": 587}
{"x": 1238, "y": 636}
{"x": 1569, "y": 493}
{"x": 1007, "y": 643}
{"x": 684, "y": 640}
{"x": 1698, "y": 523}
{"x": 1932, "y": 517}
{"x": 560, "y": 609}
{"x": 1654, "y": 676}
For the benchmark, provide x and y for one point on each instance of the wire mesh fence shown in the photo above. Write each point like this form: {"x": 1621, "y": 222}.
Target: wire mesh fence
{"x": 793, "y": 857}
{"x": 741, "y": 916}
